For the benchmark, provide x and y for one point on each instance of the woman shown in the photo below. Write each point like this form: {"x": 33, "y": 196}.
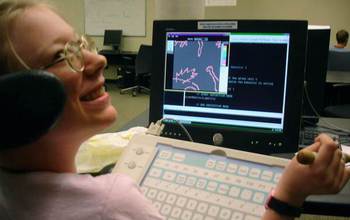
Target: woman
{"x": 39, "y": 180}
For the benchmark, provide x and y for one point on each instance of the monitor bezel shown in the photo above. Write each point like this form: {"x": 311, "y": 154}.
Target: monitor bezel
{"x": 263, "y": 142}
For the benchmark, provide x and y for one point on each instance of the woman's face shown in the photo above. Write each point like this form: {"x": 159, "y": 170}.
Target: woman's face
{"x": 38, "y": 36}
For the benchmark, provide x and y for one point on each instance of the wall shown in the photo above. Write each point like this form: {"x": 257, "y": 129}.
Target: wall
{"x": 73, "y": 11}
{"x": 319, "y": 12}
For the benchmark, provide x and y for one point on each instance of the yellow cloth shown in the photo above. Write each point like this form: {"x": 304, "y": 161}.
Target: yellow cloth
{"x": 103, "y": 149}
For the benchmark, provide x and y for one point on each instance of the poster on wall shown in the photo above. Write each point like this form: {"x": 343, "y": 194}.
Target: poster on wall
{"x": 126, "y": 15}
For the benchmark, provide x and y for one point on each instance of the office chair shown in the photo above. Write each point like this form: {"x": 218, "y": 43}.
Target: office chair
{"x": 339, "y": 60}
{"x": 340, "y": 103}
{"x": 126, "y": 69}
{"x": 143, "y": 63}
{"x": 31, "y": 104}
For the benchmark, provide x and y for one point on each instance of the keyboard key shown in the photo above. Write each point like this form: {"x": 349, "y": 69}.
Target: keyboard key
{"x": 155, "y": 172}
{"x": 234, "y": 191}
{"x": 246, "y": 194}
{"x": 237, "y": 216}
{"x": 169, "y": 176}
{"x": 176, "y": 212}
{"x": 181, "y": 201}
{"x": 171, "y": 199}
{"x": 165, "y": 154}
{"x": 259, "y": 197}
{"x": 243, "y": 170}
{"x": 157, "y": 205}
{"x": 180, "y": 179}
{"x": 210, "y": 164}
{"x": 232, "y": 168}
{"x": 212, "y": 186}
{"x": 152, "y": 193}
{"x": 255, "y": 173}
{"x": 223, "y": 188}
{"x": 197, "y": 216}
{"x": 191, "y": 205}
{"x": 266, "y": 175}
{"x": 161, "y": 196}
{"x": 213, "y": 210}
{"x": 202, "y": 207}
{"x": 186, "y": 215}
{"x": 220, "y": 165}
{"x": 165, "y": 210}
{"x": 225, "y": 214}
{"x": 178, "y": 157}
{"x": 201, "y": 183}
{"x": 191, "y": 181}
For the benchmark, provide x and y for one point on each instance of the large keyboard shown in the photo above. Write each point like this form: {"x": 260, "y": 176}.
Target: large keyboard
{"x": 187, "y": 180}
{"x": 308, "y": 135}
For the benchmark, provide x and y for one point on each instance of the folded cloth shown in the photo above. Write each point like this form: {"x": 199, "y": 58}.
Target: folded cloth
{"x": 103, "y": 149}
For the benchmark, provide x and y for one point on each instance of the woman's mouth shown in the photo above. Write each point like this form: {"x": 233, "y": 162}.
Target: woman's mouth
{"x": 93, "y": 95}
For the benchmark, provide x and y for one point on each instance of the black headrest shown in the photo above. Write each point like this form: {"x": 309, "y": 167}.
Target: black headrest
{"x": 31, "y": 103}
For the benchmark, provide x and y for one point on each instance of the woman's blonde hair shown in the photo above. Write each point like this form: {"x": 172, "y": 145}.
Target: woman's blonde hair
{"x": 9, "y": 12}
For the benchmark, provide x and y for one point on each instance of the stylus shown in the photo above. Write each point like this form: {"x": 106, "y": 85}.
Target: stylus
{"x": 307, "y": 157}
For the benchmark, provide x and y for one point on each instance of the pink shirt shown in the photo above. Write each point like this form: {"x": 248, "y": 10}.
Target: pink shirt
{"x": 46, "y": 195}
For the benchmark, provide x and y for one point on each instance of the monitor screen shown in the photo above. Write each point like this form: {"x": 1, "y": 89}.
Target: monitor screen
{"x": 235, "y": 83}
{"x": 315, "y": 72}
{"x": 112, "y": 38}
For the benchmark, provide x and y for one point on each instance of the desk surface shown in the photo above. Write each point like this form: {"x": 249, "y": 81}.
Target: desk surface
{"x": 343, "y": 123}
{"x": 338, "y": 77}
{"x": 116, "y": 52}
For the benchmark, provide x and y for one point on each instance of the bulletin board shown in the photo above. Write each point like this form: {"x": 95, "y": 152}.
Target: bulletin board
{"x": 126, "y": 15}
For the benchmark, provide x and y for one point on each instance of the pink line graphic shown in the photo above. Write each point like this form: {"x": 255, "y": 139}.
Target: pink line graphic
{"x": 200, "y": 48}
{"x": 210, "y": 71}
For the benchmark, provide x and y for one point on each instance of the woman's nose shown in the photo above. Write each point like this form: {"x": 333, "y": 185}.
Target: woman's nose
{"x": 94, "y": 62}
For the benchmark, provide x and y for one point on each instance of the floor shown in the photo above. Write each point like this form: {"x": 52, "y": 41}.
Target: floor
{"x": 128, "y": 106}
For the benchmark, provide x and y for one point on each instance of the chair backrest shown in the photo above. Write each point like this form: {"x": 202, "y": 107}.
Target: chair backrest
{"x": 143, "y": 61}
{"x": 339, "y": 60}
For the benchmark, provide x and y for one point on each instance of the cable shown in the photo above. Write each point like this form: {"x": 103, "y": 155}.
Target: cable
{"x": 332, "y": 126}
{"x": 157, "y": 128}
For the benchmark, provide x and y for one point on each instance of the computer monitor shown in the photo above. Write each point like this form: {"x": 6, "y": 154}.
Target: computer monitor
{"x": 234, "y": 83}
{"x": 315, "y": 72}
{"x": 113, "y": 38}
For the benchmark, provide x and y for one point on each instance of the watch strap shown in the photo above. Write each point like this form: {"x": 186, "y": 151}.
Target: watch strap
{"x": 282, "y": 207}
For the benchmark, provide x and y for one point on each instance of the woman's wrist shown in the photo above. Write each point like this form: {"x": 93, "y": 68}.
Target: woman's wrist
{"x": 293, "y": 198}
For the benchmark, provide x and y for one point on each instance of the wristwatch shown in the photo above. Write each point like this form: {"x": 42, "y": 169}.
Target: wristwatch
{"x": 282, "y": 207}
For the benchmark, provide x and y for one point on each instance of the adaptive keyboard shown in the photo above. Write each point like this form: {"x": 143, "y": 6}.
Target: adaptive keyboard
{"x": 187, "y": 180}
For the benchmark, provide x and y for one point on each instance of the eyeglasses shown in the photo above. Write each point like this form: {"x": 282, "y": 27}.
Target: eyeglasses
{"x": 73, "y": 55}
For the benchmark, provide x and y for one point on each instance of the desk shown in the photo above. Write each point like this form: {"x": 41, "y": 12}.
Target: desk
{"x": 116, "y": 57}
{"x": 125, "y": 59}
{"x": 338, "y": 77}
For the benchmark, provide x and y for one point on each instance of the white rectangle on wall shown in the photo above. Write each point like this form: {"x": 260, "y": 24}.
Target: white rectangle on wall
{"x": 209, "y": 3}
{"x": 126, "y": 15}
{"x": 179, "y": 9}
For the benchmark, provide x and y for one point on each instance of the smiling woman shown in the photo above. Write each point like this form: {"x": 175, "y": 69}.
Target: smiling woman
{"x": 39, "y": 180}
{"x": 33, "y": 37}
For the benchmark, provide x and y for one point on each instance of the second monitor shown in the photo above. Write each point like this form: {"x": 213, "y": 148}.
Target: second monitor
{"x": 113, "y": 38}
